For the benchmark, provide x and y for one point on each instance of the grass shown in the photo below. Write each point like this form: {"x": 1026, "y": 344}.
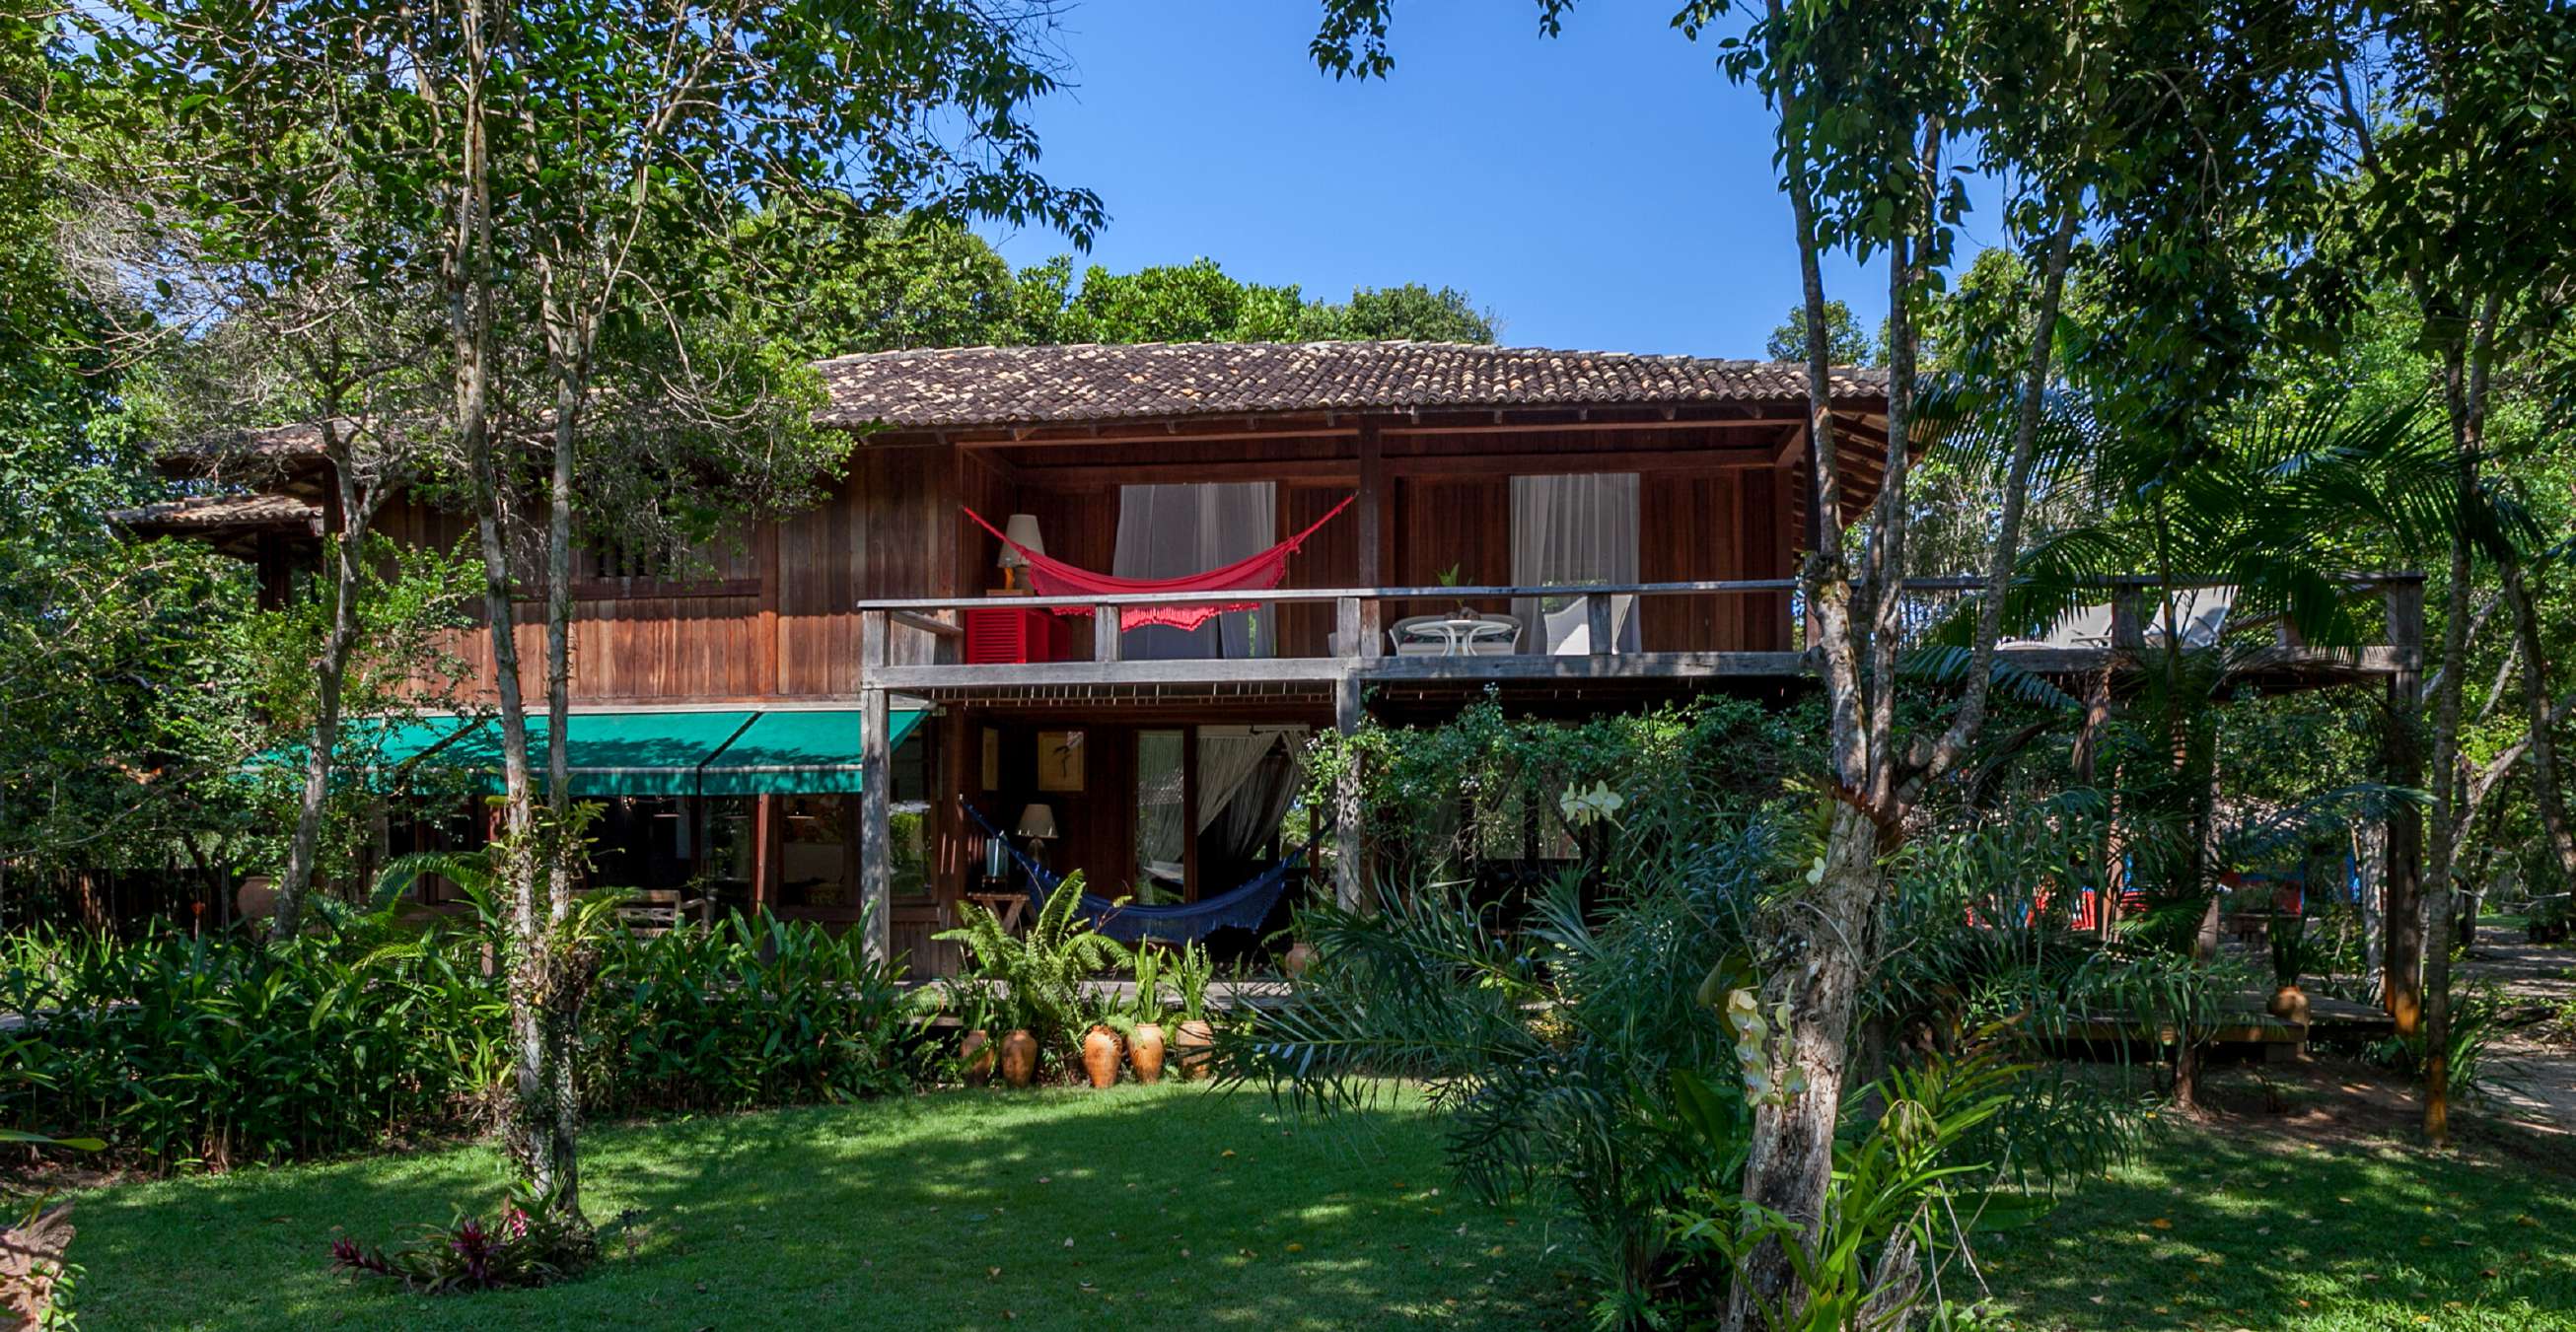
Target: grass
{"x": 1164, "y": 1207}
{"x": 2233, "y": 1226}
{"x": 1170, "y": 1207}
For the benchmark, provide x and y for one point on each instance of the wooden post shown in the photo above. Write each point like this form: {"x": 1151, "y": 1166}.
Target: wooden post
{"x": 1596, "y": 622}
{"x": 765, "y": 628}
{"x": 1372, "y": 504}
{"x": 764, "y": 851}
{"x": 1349, "y": 880}
{"x": 1347, "y": 627}
{"x": 876, "y": 859}
{"x": 1104, "y": 633}
{"x": 1189, "y": 813}
{"x": 2128, "y": 620}
{"x": 2402, "y": 985}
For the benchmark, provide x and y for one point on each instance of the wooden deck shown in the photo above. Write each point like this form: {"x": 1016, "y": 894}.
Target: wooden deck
{"x": 2245, "y": 1022}
{"x": 911, "y": 647}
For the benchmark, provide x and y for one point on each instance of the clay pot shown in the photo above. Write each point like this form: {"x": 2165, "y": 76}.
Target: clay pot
{"x": 1145, "y": 1052}
{"x": 1301, "y": 955}
{"x": 2290, "y": 1004}
{"x": 975, "y": 1057}
{"x": 1197, "y": 1036}
{"x": 1020, "y": 1058}
{"x": 1100, "y": 1056}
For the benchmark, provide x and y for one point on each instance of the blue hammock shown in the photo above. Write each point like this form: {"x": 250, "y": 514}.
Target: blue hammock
{"x": 1188, "y": 922}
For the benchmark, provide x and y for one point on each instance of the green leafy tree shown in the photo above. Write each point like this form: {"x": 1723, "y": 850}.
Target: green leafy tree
{"x": 2471, "y": 101}
{"x": 1845, "y": 344}
{"x": 575, "y": 184}
{"x": 1879, "y": 108}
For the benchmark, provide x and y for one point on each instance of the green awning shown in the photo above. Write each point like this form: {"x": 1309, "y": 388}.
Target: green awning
{"x": 386, "y": 751}
{"x": 797, "y": 753}
{"x": 724, "y": 752}
{"x": 612, "y": 753}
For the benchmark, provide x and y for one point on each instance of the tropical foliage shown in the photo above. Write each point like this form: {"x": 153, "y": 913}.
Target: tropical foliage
{"x": 1034, "y": 979}
{"x": 180, "y": 1050}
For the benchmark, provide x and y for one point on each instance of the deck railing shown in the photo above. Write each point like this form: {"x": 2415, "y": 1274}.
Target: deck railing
{"x": 1362, "y": 616}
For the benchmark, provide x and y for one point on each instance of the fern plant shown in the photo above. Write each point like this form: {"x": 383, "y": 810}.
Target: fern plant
{"x": 1040, "y": 973}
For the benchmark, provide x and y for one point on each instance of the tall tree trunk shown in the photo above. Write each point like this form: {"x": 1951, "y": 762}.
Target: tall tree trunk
{"x": 540, "y": 1037}
{"x": 1811, "y": 960}
{"x": 330, "y": 675}
{"x": 2464, "y": 385}
{"x": 2547, "y": 790}
{"x": 1811, "y": 953}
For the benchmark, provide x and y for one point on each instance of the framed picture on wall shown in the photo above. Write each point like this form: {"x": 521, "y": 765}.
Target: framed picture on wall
{"x": 992, "y": 759}
{"x": 1060, "y": 760}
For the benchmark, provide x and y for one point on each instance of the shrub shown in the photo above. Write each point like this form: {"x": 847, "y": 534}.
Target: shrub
{"x": 1034, "y": 979}
{"x": 176, "y": 1049}
{"x": 221, "y": 1051}
{"x": 746, "y": 1013}
{"x": 529, "y": 1243}
{"x": 1551, "y": 1055}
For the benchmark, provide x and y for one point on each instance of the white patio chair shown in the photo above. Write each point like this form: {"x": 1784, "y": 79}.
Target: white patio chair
{"x": 1569, "y": 630}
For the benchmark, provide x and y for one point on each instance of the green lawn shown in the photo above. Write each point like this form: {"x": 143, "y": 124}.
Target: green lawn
{"x": 1186, "y": 1209}
{"x": 2225, "y": 1228}
{"x": 1141, "y": 1208}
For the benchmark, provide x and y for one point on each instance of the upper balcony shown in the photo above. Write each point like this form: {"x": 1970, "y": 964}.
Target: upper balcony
{"x": 1438, "y": 644}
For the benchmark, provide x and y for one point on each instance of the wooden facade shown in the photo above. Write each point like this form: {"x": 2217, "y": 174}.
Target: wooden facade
{"x": 860, "y": 601}
{"x": 772, "y": 615}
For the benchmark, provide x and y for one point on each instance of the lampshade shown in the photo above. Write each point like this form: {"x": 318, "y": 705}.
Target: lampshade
{"x": 1037, "y": 822}
{"x": 1022, "y": 528}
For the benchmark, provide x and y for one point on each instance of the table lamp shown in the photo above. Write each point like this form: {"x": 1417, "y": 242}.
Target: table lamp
{"x": 1037, "y": 828}
{"x": 1022, "y": 528}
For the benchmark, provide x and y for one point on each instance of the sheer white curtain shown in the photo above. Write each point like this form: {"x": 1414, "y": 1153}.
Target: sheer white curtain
{"x": 1171, "y": 531}
{"x": 1573, "y": 530}
{"x": 1247, "y": 775}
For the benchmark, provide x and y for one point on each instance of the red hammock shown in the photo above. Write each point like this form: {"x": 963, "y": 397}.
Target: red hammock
{"x": 1055, "y": 578}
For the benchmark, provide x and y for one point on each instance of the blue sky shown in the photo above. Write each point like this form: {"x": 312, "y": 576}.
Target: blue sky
{"x": 1606, "y": 189}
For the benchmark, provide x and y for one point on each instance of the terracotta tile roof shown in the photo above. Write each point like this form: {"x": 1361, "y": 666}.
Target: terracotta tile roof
{"x": 1002, "y": 386}
{"x": 203, "y": 513}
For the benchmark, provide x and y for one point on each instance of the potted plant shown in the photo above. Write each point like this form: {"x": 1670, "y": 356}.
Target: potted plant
{"x": 1192, "y": 970}
{"x": 976, "y": 1053}
{"x": 1455, "y": 576}
{"x": 1100, "y": 1055}
{"x": 2288, "y": 935}
{"x": 1042, "y": 971}
{"x": 1145, "y": 1024}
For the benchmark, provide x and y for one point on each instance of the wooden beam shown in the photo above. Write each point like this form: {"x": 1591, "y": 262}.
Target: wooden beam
{"x": 2402, "y": 986}
{"x": 876, "y": 856}
{"x": 1559, "y": 462}
{"x": 1372, "y": 506}
{"x": 1349, "y": 880}
{"x": 1189, "y": 809}
{"x": 1581, "y": 425}
{"x": 1094, "y": 476}
{"x": 1793, "y": 448}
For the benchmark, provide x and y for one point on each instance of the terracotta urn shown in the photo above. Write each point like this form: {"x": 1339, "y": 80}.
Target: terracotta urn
{"x": 1197, "y": 1039}
{"x": 1301, "y": 955}
{"x": 1100, "y": 1056}
{"x": 1020, "y": 1058}
{"x": 2290, "y": 1004}
{"x": 975, "y": 1057}
{"x": 1145, "y": 1052}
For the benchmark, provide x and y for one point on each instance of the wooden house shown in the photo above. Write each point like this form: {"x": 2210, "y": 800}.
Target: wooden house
{"x": 815, "y": 719}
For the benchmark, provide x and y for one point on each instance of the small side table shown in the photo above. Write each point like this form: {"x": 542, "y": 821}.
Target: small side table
{"x": 1008, "y": 907}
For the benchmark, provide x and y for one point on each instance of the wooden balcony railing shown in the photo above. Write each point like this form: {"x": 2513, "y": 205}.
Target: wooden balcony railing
{"x": 917, "y": 643}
